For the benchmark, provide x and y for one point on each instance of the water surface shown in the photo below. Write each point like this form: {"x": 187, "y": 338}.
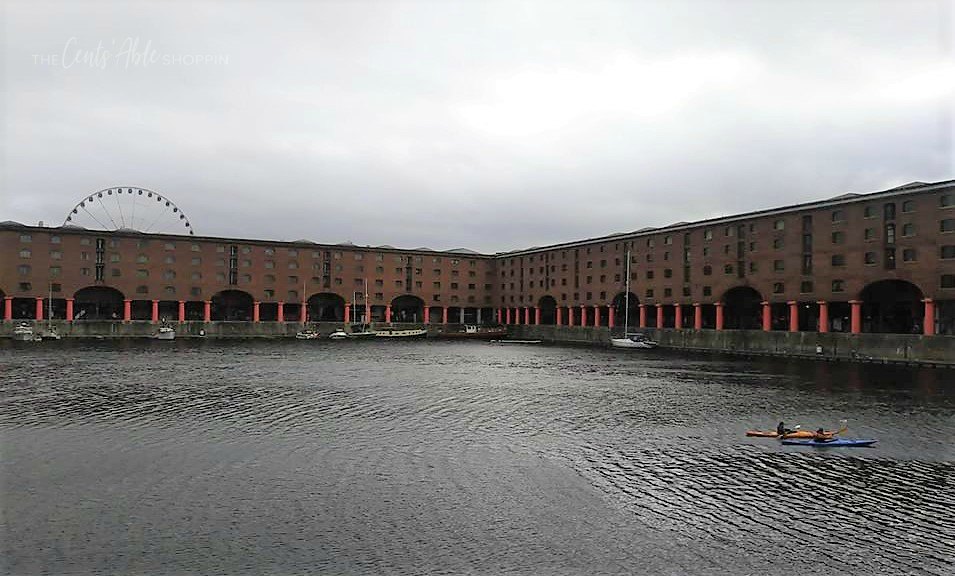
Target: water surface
{"x": 455, "y": 457}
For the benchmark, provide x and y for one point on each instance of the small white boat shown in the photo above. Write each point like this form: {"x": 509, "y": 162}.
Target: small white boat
{"x": 516, "y": 341}
{"x": 165, "y": 333}
{"x": 307, "y": 335}
{"x": 50, "y": 334}
{"x": 397, "y": 333}
{"x": 637, "y": 340}
{"x": 338, "y": 335}
{"x": 23, "y": 332}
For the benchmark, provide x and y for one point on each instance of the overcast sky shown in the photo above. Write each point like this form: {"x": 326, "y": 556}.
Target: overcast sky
{"x": 488, "y": 125}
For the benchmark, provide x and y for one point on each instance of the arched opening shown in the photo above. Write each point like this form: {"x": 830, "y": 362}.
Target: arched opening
{"x": 455, "y": 315}
{"x": 98, "y": 303}
{"x": 232, "y": 305}
{"x": 548, "y": 308}
{"x": 743, "y": 309}
{"x": 624, "y": 315}
{"x": 892, "y": 306}
{"x": 326, "y": 307}
{"x": 407, "y": 308}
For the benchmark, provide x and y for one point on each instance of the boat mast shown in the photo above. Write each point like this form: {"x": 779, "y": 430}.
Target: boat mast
{"x": 626, "y": 299}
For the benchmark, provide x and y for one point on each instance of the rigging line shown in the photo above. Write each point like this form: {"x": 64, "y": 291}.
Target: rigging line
{"x": 105, "y": 209}
{"x": 105, "y": 227}
{"x": 122, "y": 219}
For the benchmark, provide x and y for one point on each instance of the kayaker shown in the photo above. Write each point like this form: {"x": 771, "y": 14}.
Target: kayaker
{"x": 781, "y": 429}
{"x": 821, "y": 436}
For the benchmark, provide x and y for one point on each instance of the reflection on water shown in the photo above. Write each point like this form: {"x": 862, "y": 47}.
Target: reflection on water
{"x": 435, "y": 457}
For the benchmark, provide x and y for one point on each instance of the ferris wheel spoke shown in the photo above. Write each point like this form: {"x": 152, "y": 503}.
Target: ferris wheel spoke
{"x": 108, "y": 213}
{"x": 119, "y": 207}
{"x": 95, "y": 219}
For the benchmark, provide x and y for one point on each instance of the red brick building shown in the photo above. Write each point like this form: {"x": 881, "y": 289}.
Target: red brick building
{"x": 879, "y": 262}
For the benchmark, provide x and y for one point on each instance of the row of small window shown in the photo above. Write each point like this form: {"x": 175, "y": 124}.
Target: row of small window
{"x": 908, "y": 206}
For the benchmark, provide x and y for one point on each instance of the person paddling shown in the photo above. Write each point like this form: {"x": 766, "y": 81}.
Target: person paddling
{"x": 821, "y": 436}
{"x": 781, "y": 429}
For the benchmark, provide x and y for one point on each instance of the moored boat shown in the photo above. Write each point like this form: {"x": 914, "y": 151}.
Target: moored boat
{"x": 338, "y": 335}
{"x": 635, "y": 340}
{"x": 471, "y": 331}
{"x": 400, "y": 333}
{"x": 307, "y": 335}
{"x": 23, "y": 332}
{"x": 165, "y": 333}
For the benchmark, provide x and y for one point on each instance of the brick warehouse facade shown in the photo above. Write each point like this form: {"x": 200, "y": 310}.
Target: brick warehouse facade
{"x": 879, "y": 262}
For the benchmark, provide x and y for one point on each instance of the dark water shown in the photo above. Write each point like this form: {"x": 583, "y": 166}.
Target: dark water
{"x": 463, "y": 458}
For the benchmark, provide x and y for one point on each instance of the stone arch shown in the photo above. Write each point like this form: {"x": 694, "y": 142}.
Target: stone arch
{"x": 548, "y": 308}
{"x": 98, "y": 303}
{"x": 232, "y": 305}
{"x": 326, "y": 307}
{"x": 892, "y": 306}
{"x": 407, "y": 308}
{"x": 742, "y": 308}
{"x": 621, "y": 314}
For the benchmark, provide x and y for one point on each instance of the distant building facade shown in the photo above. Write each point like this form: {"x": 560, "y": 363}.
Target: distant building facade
{"x": 879, "y": 262}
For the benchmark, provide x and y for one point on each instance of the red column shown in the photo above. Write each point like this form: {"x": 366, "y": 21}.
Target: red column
{"x": 303, "y": 315}
{"x": 823, "y": 316}
{"x": 659, "y": 316}
{"x": 8, "y": 308}
{"x": 643, "y": 315}
{"x": 444, "y": 315}
{"x": 368, "y": 313}
{"x": 537, "y": 315}
{"x": 507, "y": 315}
{"x": 678, "y": 316}
{"x": 207, "y": 311}
{"x": 69, "y": 309}
{"x": 527, "y": 315}
{"x": 347, "y": 313}
{"x": 182, "y": 311}
{"x": 928, "y": 323}
{"x": 427, "y": 315}
{"x": 560, "y": 315}
{"x": 388, "y": 313}
{"x": 855, "y": 320}
{"x": 583, "y": 315}
{"x": 570, "y": 315}
{"x": 697, "y": 316}
{"x": 39, "y": 308}
{"x": 793, "y": 316}
{"x": 281, "y": 316}
{"x": 255, "y": 312}
{"x": 500, "y": 315}
{"x": 767, "y": 318}
{"x": 127, "y": 310}
{"x": 597, "y": 316}
{"x": 719, "y": 315}
{"x": 155, "y": 313}
{"x": 610, "y": 317}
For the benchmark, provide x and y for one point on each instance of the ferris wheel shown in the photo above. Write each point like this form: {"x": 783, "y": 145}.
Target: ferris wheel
{"x": 125, "y": 208}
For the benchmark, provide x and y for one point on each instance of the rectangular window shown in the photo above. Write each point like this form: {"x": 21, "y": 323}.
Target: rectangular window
{"x": 779, "y": 265}
{"x": 869, "y": 234}
{"x": 838, "y": 286}
{"x": 948, "y": 281}
{"x": 948, "y": 252}
{"x": 838, "y": 237}
{"x": 838, "y": 216}
{"x": 870, "y": 258}
{"x": 838, "y": 260}
{"x": 909, "y": 255}
{"x": 947, "y": 225}
{"x": 869, "y": 212}
{"x": 805, "y": 287}
{"x": 779, "y": 288}
{"x": 908, "y": 206}
{"x": 908, "y": 230}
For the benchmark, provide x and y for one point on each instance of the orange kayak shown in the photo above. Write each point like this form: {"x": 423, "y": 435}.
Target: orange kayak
{"x": 793, "y": 434}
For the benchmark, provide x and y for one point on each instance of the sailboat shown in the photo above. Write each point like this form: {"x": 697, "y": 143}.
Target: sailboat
{"x": 637, "y": 339}
{"x": 363, "y": 329}
{"x": 50, "y": 333}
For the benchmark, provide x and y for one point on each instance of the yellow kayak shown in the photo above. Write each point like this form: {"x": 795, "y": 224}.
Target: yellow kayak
{"x": 794, "y": 433}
